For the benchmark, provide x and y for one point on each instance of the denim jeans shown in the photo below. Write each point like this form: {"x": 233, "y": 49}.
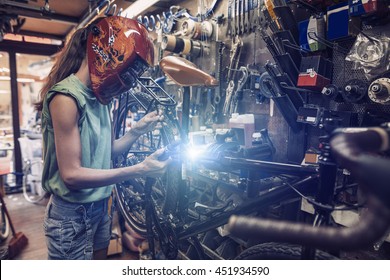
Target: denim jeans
{"x": 74, "y": 230}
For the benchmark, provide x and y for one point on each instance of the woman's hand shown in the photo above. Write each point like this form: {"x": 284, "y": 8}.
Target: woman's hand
{"x": 153, "y": 167}
{"x": 147, "y": 123}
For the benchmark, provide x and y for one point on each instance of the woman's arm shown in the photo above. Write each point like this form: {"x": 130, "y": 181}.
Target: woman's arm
{"x": 69, "y": 151}
{"x": 146, "y": 124}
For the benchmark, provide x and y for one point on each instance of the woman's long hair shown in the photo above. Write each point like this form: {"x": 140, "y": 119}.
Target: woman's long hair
{"x": 68, "y": 62}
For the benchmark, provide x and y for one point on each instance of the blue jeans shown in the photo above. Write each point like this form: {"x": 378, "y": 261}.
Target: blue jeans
{"x": 74, "y": 230}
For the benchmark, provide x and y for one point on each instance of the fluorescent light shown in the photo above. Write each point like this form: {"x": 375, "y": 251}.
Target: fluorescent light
{"x": 25, "y": 80}
{"x": 138, "y": 7}
{"x": 20, "y": 80}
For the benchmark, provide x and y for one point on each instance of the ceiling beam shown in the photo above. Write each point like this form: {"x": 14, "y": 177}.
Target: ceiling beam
{"x": 28, "y": 48}
{"x": 41, "y": 35}
{"x": 39, "y": 15}
{"x": 160, "y": 4}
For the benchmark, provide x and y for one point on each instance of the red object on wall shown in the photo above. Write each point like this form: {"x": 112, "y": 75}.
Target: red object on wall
{"x": 312, "y": 81}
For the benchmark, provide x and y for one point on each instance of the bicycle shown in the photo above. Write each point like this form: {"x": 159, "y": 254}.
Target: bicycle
{"x": 352, "y": 148}
{"x": 31, "y": 149}
{"x": 4, "y": 224}
{"x": 170, "y": 209}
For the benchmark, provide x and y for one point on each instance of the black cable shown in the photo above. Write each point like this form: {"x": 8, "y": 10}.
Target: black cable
{"x": 320, "y": 205}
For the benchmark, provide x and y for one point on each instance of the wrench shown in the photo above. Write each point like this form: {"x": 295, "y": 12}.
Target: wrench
{"x": 242, "y": 15}
{"x": 217, "y": 91}
{"x": 231, "y": 101}
{"x": 238, "y": 30}
{"x": 228, "y": 99}
{"x": 229, "y": 19}
{"x": 235, "y": 54}
{"x": 241, "y": 82}
{"x": 246, "y": 15}
{"x": 209, "y": 109}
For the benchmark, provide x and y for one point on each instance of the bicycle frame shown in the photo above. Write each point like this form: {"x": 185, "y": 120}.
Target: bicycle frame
{"x": 182, "y": 226}
{"x": 183, "y": 223}
{"x": 353, "y": 148}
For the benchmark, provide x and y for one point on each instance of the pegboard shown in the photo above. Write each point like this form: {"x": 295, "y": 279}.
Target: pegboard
{"x": 343, "y": 71}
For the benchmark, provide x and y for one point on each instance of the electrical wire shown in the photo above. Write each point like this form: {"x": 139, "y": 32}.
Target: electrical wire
{"x": 320, "y": 205}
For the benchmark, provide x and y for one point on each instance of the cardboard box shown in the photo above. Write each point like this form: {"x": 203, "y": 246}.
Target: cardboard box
{"x": 311, "y": 157}
{"x": 115, "y": 246}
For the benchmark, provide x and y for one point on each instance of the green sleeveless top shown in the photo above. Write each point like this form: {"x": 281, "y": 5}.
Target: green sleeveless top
{"x": 95, "y": 134}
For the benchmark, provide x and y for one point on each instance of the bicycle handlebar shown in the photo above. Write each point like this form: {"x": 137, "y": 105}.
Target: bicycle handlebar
{"x": 351, "y": 148}
{"x": 354, "y": 148}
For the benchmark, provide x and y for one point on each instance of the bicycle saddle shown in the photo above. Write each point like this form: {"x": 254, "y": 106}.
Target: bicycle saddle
{"x": 185, "y": 73}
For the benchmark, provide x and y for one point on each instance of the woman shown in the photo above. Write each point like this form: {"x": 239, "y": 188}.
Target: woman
{"x": 98, "y": 63}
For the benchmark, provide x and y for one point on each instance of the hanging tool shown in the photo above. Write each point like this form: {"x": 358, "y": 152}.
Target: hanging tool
{"x": 237, "y": 11}
{"x": 217, "y": 92}
{"x": 239, "y": 91}
{"x": 235, "y": 54}
{"x": 232, "y": 6}
{"x": 264, "y": 90}
{"x": 246, "y": 16}
{"x": 253, "y": 17}
{"x": 269, "y": 5}
{"x": 229, "y": 18}
{"x": 228, "y": 97}
{"x": 217, "y": 116}
{"x": 283, "y": 101}
{"x": 209, "y": 109}
{"x": 231, "y": 100}
{"x": 242, "y": 15}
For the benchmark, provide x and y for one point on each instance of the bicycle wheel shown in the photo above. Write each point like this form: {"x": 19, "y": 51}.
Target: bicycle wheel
{"x": 32, "y": 182}
{"x": 4, "y": 225}
{"x": 129, "y": 194}
{"x": 279, "y": 251}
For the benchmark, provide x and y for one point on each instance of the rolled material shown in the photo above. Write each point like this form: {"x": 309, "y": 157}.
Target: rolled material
{"x": 197, "y": 30}
{"x": 172, "y": 43}
{"x": 187, "y": 46}
{"x": 184, "y": 46}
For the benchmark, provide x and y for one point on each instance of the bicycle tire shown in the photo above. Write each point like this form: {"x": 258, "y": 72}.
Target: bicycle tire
{"x": 129, "y": 193}
{"x": 41, "y": 193}
{"x": 279, "y": 251}
{"x": 4, "y": 226}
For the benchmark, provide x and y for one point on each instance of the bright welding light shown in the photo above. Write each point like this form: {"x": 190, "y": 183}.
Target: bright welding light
{"x": 194, "y": 152}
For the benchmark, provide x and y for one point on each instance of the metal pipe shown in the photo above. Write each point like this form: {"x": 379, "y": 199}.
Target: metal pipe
{"x": 267, "y": 166}
{"x": 18, "y": 164}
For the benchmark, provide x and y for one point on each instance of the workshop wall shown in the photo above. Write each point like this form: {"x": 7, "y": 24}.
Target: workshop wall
{"x": 305, "y": 61}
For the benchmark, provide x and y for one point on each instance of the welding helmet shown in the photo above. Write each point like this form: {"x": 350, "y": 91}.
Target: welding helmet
{"x": 119, "y": 51}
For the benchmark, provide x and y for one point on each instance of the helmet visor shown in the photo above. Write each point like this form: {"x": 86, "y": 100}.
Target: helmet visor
{"x": 129, "y": 76}
{"x": 127, "y": 80}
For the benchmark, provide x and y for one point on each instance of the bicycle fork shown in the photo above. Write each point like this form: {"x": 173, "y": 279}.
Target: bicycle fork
{"x": 325, "y": 191}
{"x": 166, "y": 235}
